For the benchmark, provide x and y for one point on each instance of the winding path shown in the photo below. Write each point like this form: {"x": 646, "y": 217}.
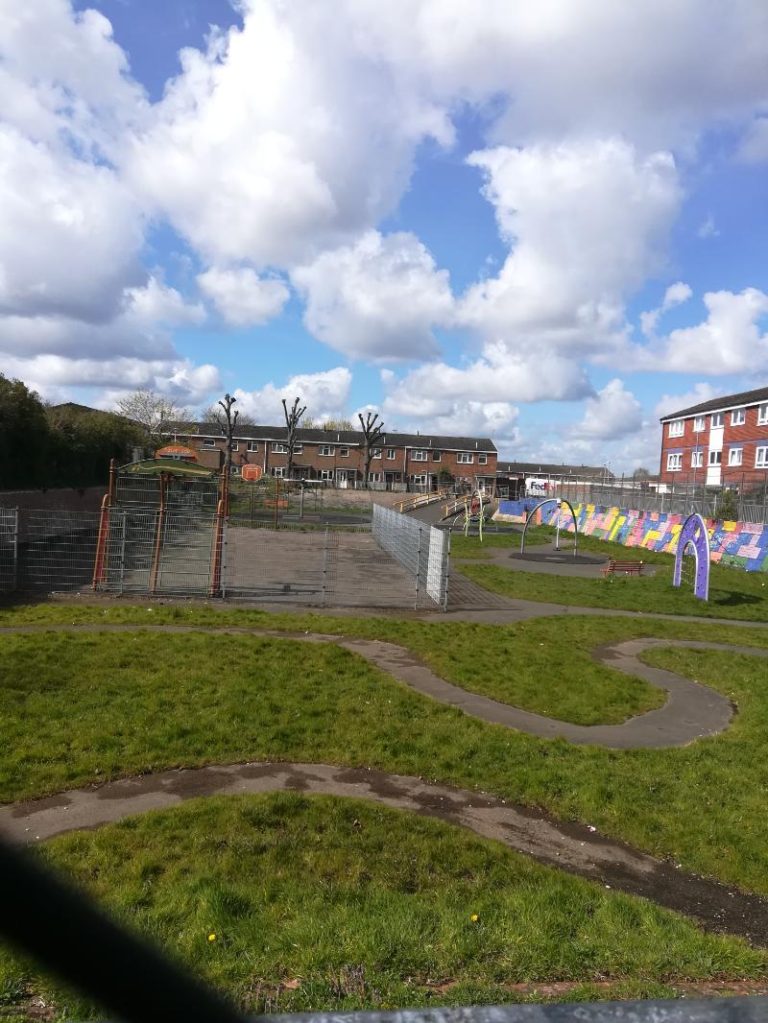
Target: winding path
{"x": 690, "y": 712}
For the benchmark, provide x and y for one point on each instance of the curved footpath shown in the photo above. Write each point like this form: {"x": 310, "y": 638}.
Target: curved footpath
{"x": 690, "y": 712}
{"x": 575, "y": 848}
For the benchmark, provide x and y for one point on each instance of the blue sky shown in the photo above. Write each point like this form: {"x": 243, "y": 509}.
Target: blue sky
{"x": 545, "y": 224}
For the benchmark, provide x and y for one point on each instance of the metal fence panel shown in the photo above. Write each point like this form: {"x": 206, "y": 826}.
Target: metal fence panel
{"x": 9, "y": 521}
{"x": 410, "y": 543}
{"x": 56, "y": 550}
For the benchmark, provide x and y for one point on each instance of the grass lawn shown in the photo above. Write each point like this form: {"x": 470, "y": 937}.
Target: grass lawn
{"x": 326, "y": 904}
{"x": 104, "y": 706}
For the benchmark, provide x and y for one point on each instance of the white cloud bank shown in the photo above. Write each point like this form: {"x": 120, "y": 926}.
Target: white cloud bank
{"x": 326, "y": 395}
{"x": 242, "y": 297}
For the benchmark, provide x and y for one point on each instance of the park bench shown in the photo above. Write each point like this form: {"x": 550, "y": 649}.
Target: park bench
{"x": 627, "y": 567}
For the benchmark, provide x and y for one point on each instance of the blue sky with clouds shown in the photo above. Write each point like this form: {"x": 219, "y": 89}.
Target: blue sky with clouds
{"x": 541, "y": 223}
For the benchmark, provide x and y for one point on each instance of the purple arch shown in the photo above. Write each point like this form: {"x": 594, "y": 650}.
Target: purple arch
{"x": 694, "y": 534}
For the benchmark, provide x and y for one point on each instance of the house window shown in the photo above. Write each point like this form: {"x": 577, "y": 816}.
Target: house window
{"x": 280, "y": 449}
{"x": 278, "y": 472}
{"x": 235, "y": 470}
{"x": 762, "y": 415}
{"x": 437, "y": 456}
{"x": 465, "y": 458}
{"x": 738, "y": 417}
{"x": 697, "y": 459}
{"x": 418, "y": 455}
{"x": 482, "y": 459}
{"x": 209, "y": 442}
{"x": 715, "y": 457}
{"x": 674, "y": 461}
{"x": 391, "y": 454}
{"x": 343, "y": 452}
{"x": 676, "y": 428}
{"x": 326, "y": 475}
{"x": 715, "y": 420}
{"x": 235, "y": 445}
{"x": 419, "y": 481}
{"x": 298, "y": 449}
{"x": 326, "y": 450}
{"x": 376, "y": 452}
{"x": 761, "y": 458}
{"x": 374, "y": 477}
{"x": 734, "y": 456}
{"x": 253, "y": 445}
{"x": 699, "y": 424}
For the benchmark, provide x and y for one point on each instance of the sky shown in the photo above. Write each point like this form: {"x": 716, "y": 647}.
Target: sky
{"x": 544, "y": 223}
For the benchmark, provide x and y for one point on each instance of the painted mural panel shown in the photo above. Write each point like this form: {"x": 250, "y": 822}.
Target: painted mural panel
{"x": 738, "y": 544}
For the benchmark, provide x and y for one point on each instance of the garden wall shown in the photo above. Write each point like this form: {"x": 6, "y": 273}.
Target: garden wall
{"x": 739, "y": 544}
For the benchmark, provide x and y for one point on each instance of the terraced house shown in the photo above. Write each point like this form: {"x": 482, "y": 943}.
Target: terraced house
{"x": 720, "y": 442}
{"x": 401, "y": 461}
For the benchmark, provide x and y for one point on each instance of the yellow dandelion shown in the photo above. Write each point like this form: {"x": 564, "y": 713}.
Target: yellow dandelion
{"x": 474, "y": 918}
{"x": 211, "y": 937}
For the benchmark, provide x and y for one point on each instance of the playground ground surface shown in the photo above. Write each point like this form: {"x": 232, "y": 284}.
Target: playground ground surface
{"x": 322, "y": 902}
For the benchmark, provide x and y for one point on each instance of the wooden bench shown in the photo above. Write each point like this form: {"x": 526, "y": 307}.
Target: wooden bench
{"x": 627, "y": 567}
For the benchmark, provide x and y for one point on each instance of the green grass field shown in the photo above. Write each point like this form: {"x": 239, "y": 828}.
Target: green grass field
{"x": 83, "y": 707}
{"x": 292, "y": 903}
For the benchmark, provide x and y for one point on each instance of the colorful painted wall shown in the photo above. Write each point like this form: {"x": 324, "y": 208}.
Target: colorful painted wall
{"x": 739, "y": 544}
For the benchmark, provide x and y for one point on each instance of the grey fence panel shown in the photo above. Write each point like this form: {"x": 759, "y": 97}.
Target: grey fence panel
{"x": 422, "y": 550}
{"x": 9, "y": 524}
{"x": 56, "y": 550}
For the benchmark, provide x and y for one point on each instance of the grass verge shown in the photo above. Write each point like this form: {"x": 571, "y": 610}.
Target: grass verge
{"x": 101, "y": 707}
{"x": 327, "y": 904}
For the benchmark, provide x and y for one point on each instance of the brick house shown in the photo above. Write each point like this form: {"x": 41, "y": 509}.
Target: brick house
{"x": 401, "y": 461}
{"x": 721, "y": 442}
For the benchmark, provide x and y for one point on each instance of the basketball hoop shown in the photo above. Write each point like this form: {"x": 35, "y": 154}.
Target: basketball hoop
{"x": 251, "y": 473}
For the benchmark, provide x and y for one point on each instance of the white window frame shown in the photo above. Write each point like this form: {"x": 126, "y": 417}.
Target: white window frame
{"x": 298, "y": 448}
{"x": 482, "y": 459}
{"x": 326, "y": 475}
{"x": 735, "y": 456}
{"x": 420, "y": 479}
{"x": 715, "y": 458}
{"x": 376, "y": 452}
{"x": 738, "y": 417}
{"x": 465, "y": 458}
{"x": 699, "y": 424}
{"x": 437, "y": 456}
{"x": 676, "y": 428}
{"x": 716, "y": 420}
{"x": 391, "y": 454}
{"x": 762, "y": 414}
{"x": 761, "y": 457}
{"x": 278, "y": 472}
{"x": 674, "y": 461}
{"x": 253, "y": 445}
{"x": 343, "y": 452}
{"x": 235, "y": 445}
{"x": 374, "y": 477}
{"x": 326, "y": 451}
{"x": 697, "y": 459}
{"x": 209, "y": 442}
{"x": 278, "y": 448}
{"x": 419, "y": 455}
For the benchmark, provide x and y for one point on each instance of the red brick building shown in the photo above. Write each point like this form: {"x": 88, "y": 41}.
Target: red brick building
{"x": 337, "y": 457}
{"x": 721, "y": 442}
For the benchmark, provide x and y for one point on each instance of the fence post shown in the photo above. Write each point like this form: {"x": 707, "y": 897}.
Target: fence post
{"x": 418, "y": 569}
{"x": 324, "y": 584}
{"x": 446, "y": 568}
{"x": 15, "y": 575}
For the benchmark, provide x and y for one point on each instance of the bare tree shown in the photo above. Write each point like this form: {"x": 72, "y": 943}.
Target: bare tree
{"x": 154, "y": 413}
{"x": 336, "y": 424}
{"x": 292, "y": 420}
{"x": 209, "y": 413}
{"x": 227, "y": 421}
{"x": 372, "y": 428}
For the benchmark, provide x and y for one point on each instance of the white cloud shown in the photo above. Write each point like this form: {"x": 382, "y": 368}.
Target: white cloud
{"x": 378, "y": 298}
{"x": 708, "y": 229}
{"x": 754, "y": 148}
{"x": 668, "y": 403}
{"x": 587, "y": 222}
{"x": 612, "y": 413}
{"x": 242, "y": 297}
{"x": 675, "y": 294}
{"x": 155, "y": 303}
{"x": 325, "y": 395}
{"x": 730, "y": 340}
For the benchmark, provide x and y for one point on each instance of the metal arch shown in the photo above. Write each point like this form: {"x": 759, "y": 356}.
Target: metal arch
{"x": 559, "y": 502}
{"x": 694, "y": 534}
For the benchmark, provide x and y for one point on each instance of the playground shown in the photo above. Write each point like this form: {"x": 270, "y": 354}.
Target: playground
{"x": 535, "y": 799}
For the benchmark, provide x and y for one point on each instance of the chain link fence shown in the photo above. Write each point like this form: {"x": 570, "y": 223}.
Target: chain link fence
{"x": 422, "y": 550}
{"x": 9, "y": 518}
{"x": 737, "y": 500}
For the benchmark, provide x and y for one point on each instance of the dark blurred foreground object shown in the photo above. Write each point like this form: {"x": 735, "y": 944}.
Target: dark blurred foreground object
{"x": 73, "y": 939}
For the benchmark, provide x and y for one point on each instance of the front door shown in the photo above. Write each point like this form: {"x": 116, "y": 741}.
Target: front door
{"x": 341, "y": 478}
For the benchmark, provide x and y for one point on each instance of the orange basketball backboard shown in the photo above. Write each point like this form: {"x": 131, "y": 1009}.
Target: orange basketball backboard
{"x": 251, "y": 472}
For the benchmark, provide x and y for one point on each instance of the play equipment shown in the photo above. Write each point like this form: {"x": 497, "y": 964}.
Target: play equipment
{"x": 694, "y": 535}
{"x": 559, "y": 502}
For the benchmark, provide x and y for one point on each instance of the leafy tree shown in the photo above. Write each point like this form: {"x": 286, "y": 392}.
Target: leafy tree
{"x": 372, "y": 429}
{"x": 24, "y": 436}
{"x": 83, "y": 441}
{"x": 152, "y": 412}
{"x": 336, "y": 424}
